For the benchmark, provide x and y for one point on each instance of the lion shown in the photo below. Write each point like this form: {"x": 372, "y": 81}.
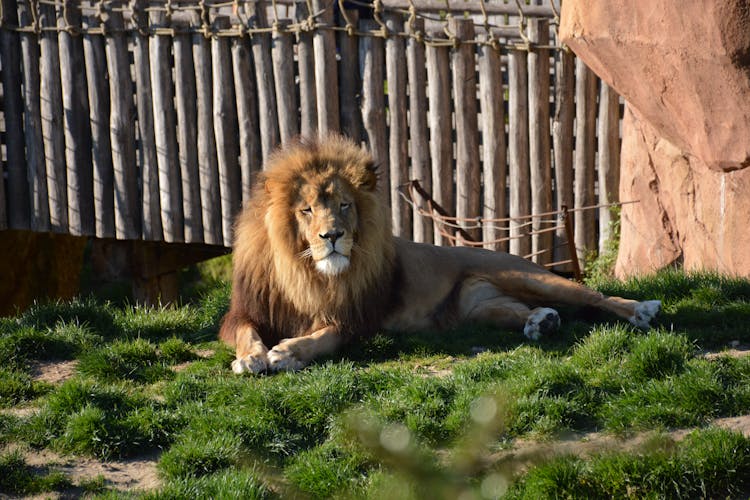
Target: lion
{"x": 316, "y": 265}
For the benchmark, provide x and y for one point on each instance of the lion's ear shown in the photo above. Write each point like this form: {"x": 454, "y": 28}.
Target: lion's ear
{"x": 369, "y": 179}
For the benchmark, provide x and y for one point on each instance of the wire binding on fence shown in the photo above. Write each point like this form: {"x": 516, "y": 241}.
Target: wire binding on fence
{"x": 198, "y": 16}
{"x": 456, "y": 230}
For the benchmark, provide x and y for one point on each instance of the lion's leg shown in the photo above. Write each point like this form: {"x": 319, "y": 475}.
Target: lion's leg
{"x": 251, "y": 353}
{"x": 294, "y": 353}
{"x": 550, "y": 288}
{"x": 482, "y": 302}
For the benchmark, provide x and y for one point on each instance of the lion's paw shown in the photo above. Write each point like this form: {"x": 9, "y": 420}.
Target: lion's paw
{"x": 644, "y": 312}
{"x": 283, "y": 360}
{"x": 250, "y": 364}
{"x": 541, "y": 321}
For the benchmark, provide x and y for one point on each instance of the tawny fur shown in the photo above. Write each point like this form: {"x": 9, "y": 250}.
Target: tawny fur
{"x": 318, "y": 200}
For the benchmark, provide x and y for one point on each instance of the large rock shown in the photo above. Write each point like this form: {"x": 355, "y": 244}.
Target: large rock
{"x": 687, "y": 213}
{"x": 683, "y": 66}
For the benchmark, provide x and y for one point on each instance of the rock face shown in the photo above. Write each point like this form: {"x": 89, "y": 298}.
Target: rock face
{"x": 683, "y": 66}
{"x": 687, "y": 213}
{"x": 684, "y": 69}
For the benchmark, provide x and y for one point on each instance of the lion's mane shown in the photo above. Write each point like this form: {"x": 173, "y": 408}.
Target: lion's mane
{"x": 280, "y": 293}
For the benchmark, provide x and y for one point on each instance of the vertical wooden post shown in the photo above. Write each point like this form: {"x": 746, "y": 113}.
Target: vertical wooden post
{"x": 122, "y": 131}
{"x": 518, "y": 151}
{"x": 149, "y": 179}
{"x": 349, "y": 84}
{"x": 187, "y": 137}
{"x": 609, "y": 159}
{"x": 37, "y": 177}
{"x": 282, "y": 53}
{"x": 306, "y": 70}
{"x": 562, "y": 140}
{"x": 326, "y": 72}
{"x": 539, "y": 138}
{"x": 395, "y": 69}
{"x": 495, "y": 170}
{"x": 208, "y": 168}
{"x": 261, "y": 42}
{"x": 418, "y": 132}
{"x": 76, "y": 122}
{"x": 98, "y": 90}
{"x": 251, "y": 156}
{"x": 165, "y": 134}
{"x": 225, "y": 130}
{"x": 441, "y": 128}
{"x": 468, "y": 187}
{"x": 585, "y": 220}
{"x": 51, "y": 110}
{"x": 372, "y": 60}
{"x": 19, "y": 208}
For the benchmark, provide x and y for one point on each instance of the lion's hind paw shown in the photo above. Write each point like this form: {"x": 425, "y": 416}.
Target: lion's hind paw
{"x": 644, "y": 312}
{"x": 250, "y": 364}
{"x": 283, "y": 360}
{"x": 541, "y": 321}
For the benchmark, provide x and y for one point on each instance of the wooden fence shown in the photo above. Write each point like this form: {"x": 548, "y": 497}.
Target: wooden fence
{"x": 147, "y": 120}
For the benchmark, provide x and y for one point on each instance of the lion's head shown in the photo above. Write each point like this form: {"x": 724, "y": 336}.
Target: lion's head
{"x": 315, "y": 239}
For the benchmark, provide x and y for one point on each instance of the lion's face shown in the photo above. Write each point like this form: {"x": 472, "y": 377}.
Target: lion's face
{"x": 326, "y": 214}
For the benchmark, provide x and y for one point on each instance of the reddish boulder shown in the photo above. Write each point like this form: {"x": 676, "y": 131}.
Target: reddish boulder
{"x": 687, "y": 213}
{"x": 683, "y": 66}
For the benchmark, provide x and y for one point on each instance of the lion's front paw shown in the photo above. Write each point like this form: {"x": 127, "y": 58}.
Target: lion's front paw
{"x": 541, "y": 321}
{"x": 250, "y": 364}
{"x": 281, "y": 359}
{"x": 644, "y": 312}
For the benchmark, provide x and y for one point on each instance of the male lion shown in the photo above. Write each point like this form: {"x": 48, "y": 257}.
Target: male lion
{"x": 315, "y": 264}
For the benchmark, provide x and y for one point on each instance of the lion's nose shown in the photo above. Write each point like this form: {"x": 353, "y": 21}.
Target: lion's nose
{"x": 332, "y": 236}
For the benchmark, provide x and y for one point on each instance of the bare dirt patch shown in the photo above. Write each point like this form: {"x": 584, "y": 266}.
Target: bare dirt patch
{"x": 201, "y": 353}
{"x": 123, "y": 475}
{"x": 53, "y": 372}
{"x": 526, "y": 453}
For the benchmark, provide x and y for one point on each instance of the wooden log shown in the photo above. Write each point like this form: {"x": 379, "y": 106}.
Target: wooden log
{"x": 122, "y": 132}
{"x": 19, "y": 206}
{"x": 518, "y": 151}
{"x": 226, "y": 130}
{"x": 149, "y": 179}
{"x": 165, "y": 133}
{"x": 326, "y": 72}
{"x": 37, "y": 177}
{"x": 494, "y": 167}
{"x": 372, "y": 60}
{"x": 609, "y": 161}
{"x": 187, "y": 137}
{"x": 468, "y": 182}
{"x": 251, "y": 156}
{"x": 98, "y": 92}
{"x": 540, "y": 166}
{"x": 76, "y": 123}
{"x": 261, "y": 42}
{"x": 441, "y": 128}
{"x": 395, "y": 69}
{"x": 349, "y": 84}
{"x": 418, "y": 131}
{"x": 562, "y": 140}
{"x": 207, "y": 163}
{"x": 306, "y": 70}
{"x": 282, "y": 54}
{"x": 51, "y": 111}
{"x": 585, "y": 220}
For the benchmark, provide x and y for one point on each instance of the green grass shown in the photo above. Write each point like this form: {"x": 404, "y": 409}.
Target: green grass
{"x": 403, "y": 416}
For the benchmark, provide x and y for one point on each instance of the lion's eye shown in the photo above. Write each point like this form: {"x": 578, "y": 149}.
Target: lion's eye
{"x": 345, "y": 206}
{"x": 307, "y": 211}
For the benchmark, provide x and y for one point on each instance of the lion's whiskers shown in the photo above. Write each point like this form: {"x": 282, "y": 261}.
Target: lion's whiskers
{"x": 307, "y": 253}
